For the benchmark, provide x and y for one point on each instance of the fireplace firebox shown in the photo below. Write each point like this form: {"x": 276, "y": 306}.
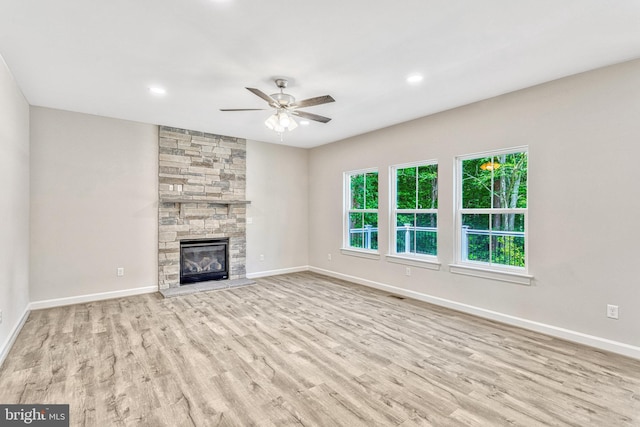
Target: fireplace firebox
{"x": 203, "y": 259}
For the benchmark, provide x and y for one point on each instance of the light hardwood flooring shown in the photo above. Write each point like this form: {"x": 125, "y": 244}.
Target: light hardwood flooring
{"x": 303, "y": 349}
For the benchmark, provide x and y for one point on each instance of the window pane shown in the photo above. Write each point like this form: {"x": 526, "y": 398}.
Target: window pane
{"x": 405, "y": 226}
{"x": 426, "y": 234}
{"x": 357, "y": 192}
{"x": 371, "y": 184}
{"x": 356, "y": 230}
{"x": 406, "y": 188}
{"x": 508, "y": 222}
{"x": 475, "y": 238}
{"x": 370, "y": 231}
{"x": 476, "y": 183}
{"x": 507, "y": 239}
{"x": 428, "y": 187}
{"x": 510, "y": 179}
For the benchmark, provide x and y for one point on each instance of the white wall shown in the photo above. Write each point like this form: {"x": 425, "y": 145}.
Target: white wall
{"x": 277, "y": 186}
{"x": 94, "y": 192}
{"x": 14, "y": 205}
{"x": 584, "y": 239}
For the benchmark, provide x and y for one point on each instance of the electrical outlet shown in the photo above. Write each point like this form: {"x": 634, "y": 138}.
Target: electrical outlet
{"x": 120, "y": 271}
{"x": 407, "y": 271}
{"x": 249, "y": 220}
{"x": 0, "y": 316}
{"x": 261, "y": 257}
{"x": 328, "y": 257}
{"x": 612, "y": 311}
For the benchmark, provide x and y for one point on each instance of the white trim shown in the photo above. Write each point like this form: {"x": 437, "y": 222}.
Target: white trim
{"x": 554, "y": 331}
{"x": 499, "y": 151}
{"x": 79, "y": 299}
{"x": 419, "y": 262}
{"x": 493, "y": 274}
{"x": 268, "y": 273}
{"x": 362, "y": 171}
{"x": 362, "y": 253}
{"x": 489, "y": 211}
{"x": 8, "y": 344}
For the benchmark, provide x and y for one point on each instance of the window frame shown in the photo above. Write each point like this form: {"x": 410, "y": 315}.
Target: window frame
{"x": 486, "y": 269}
{"x": 347, "y": 249}
{"x": 412, "y": 258}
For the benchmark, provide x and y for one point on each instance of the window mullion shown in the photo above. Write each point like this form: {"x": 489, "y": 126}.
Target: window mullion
{"x": 364, "y": 195}
{"x": 415, "y": 202}
{"x": 491, "y": 232}
{"x": 415, "y": 233}
{"x": 493, "y": 186}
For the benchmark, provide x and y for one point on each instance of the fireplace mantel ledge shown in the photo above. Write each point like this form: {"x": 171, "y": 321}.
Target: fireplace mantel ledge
{"x": 182, "y": 201}
{"x": 204, "y": 200}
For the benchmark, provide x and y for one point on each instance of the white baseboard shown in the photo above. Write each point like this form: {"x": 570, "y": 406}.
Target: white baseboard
{"x": 554, "y": 331}
{"x": 58, "y": 302}
{"x": 277, "y": 272}
{"x": 6, "y": 347}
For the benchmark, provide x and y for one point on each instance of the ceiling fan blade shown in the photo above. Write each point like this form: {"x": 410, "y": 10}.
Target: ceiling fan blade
{"x": 242, "y": 109}
{"x": 264, "y": 96}
{"x": 311, "y": 116}
{"x": 314, "y": 101}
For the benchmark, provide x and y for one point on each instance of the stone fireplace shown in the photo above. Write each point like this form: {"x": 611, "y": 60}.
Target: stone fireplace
{"x": 202, "y": 188}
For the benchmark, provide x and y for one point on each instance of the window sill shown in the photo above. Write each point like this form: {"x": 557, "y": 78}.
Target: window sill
{"x": 362, "y": 253}
{"x": 431, "y": 264}
{"x": 503, "y": 276}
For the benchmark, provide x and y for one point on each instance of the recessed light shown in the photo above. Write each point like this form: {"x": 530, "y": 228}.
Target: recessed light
{"x": 156, "y": 90}
{"x": 415, "y": 78}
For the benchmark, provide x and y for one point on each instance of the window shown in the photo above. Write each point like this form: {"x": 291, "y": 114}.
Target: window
{"x": 415, "y": 210}
{"x": 492, "y": 210}
{"x": 361, "y": 201}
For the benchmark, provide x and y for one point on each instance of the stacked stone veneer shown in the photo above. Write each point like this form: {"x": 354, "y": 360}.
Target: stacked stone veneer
{"x": 197, "y": 165}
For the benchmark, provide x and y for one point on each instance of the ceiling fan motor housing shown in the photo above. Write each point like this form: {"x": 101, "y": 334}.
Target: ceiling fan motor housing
{"x": 283, "y": 99}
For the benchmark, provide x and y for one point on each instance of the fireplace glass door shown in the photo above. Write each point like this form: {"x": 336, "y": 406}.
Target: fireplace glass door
{"x": 203, "y": 260}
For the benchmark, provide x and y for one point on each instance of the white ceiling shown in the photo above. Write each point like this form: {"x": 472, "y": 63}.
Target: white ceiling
{"x": 100, "y": 57}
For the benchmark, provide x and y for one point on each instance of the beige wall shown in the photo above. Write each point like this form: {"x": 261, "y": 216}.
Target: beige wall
{"x": 94, "y": 192}
{"x": 277, "y": 186}
{"x": 94, "y": 205}
{"x": 584, "y": 240}
{"x": 14, "y": 205}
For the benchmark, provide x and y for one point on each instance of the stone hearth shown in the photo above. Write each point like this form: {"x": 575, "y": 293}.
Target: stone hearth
{"x": 202, "y": 190}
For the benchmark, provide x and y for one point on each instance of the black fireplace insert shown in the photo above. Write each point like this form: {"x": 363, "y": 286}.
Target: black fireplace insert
{"x": 203, "y": 259}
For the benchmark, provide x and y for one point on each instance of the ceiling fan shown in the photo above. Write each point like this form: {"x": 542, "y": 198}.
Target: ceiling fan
{"x": 286, "y": 107}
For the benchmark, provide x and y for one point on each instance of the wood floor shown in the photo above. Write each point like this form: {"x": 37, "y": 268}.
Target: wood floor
{"x": 307, "y": 350}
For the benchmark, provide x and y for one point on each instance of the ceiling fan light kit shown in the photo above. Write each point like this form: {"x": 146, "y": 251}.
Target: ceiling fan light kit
{"x": 281, "y": 121}
{"x": 286, "y": 107}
